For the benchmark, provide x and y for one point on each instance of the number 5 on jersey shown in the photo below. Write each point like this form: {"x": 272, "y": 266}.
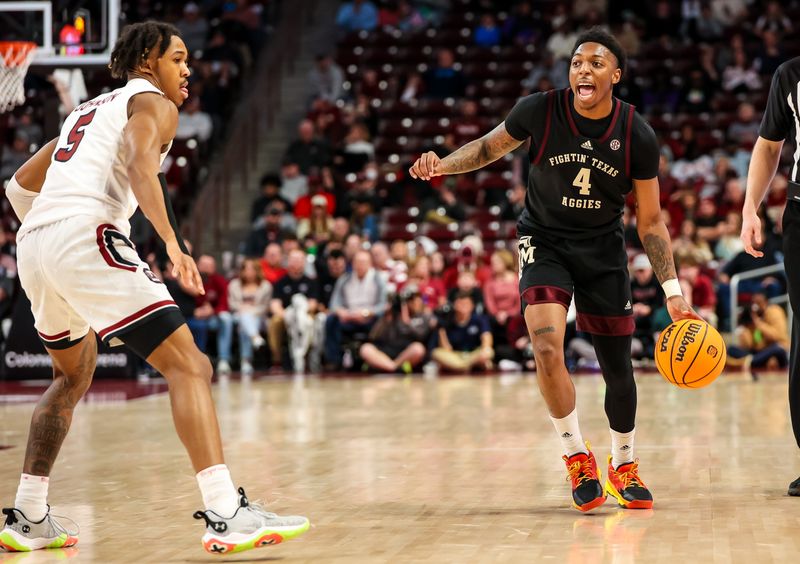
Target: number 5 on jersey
{"x": 74, "y": 138}
{"x": 582, "y": 181}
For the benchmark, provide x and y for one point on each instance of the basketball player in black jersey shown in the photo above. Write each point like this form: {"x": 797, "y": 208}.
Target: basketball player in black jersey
{"x": 780, "y": 122}
{"x": 588, "y": 151}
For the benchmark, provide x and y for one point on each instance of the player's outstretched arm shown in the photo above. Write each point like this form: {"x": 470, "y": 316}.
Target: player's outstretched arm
{"x": 658, "y": 246}
{"x": 763, "y": 164}
{"x": 152, "y": 125}
{"x": 472, "y": 156}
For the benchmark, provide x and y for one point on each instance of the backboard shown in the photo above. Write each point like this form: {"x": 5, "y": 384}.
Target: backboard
{"x": 66, "y": 32}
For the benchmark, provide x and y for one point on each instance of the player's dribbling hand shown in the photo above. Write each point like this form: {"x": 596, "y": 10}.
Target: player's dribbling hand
{"x": 426, "y": 167}
{"x": 184, "y": 268}
{"x": 678, "y": 309}
{"x": 751, "y": 233}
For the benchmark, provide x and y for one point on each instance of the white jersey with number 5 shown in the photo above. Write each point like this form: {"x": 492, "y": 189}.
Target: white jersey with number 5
{"x": 87, "y": 174}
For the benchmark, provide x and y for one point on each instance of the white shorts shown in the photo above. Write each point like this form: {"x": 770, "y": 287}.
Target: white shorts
{"x": 80, "y": 273}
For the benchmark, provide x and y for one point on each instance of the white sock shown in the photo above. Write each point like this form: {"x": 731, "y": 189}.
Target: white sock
{"x": 32, "y": 496}
{"x": 621, "y": 448}
{"x": 218, "y": 491}
{"x": 570, "y": 433}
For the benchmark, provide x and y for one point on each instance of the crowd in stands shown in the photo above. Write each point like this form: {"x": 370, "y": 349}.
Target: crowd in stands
{"x": 351, "y": 264}
{"x": 412, "y": 76}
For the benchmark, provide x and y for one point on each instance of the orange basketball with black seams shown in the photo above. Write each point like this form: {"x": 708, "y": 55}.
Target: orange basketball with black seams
{"x": 690, "y": 353}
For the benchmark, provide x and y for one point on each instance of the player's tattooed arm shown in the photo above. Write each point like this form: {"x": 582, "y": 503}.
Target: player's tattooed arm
{"x": 659, "y": 252}
{"x": 652, "y": 229}
{"x": 480, "y": 152}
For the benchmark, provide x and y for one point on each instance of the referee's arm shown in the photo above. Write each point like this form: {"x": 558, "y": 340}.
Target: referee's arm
{"x": 763, "y": 164}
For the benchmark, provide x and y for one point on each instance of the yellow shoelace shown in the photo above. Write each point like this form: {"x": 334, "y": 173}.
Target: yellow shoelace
{"x": 631, "y": 477}
{"x": 581, "y": 471}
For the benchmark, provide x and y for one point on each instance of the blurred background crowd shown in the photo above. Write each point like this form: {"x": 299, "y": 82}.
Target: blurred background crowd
{"x": 350, "y": 264}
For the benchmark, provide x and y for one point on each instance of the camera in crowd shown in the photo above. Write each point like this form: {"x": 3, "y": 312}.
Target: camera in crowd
{"x": 749, "y": 313}
{"x": 404, "y": 295}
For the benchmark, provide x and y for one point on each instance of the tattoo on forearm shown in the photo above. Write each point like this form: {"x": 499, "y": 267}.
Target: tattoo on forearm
{"x": 469, "y": 157}
{"x": 660, "y": 255}
{"x": 479, "y": 153}
{"x": 543, "y": 330}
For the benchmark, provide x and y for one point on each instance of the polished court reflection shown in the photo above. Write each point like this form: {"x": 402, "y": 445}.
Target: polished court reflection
{"x": 418, "y": 470}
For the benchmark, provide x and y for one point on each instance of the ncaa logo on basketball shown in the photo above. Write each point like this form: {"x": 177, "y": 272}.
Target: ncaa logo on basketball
{"x": 615, "y": 144}
{"x": 712, "y": 351}
{"x": 665, "y": 338}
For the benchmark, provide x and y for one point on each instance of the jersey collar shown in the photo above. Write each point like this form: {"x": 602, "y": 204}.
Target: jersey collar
{"x": 571, "y": 119}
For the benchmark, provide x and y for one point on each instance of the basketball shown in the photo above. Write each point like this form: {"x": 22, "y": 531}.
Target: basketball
{"x": 690, "y": 353}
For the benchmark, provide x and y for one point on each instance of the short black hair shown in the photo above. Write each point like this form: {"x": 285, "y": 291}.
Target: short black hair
{"x": 135, "y": 43}
{"x": 462, "y": 294}
{"x": 271, "y": 178}
{"x": 599, "y": 35}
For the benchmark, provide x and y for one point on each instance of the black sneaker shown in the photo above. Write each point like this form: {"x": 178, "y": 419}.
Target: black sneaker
{"x": 794, "y": 488}
{"x": 587, "y": 492}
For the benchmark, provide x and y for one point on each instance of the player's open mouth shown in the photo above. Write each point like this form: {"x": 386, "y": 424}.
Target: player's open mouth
{"x": 585, "y": 91}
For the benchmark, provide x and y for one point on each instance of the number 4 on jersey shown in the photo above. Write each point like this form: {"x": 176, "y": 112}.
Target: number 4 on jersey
{"x": 582, "y": 181}
{"x": 74, "y": 138}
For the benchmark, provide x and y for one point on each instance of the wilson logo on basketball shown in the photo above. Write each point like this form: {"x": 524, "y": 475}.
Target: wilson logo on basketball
{"x": 688, "y": 339}
{"x": 712, "y": 351}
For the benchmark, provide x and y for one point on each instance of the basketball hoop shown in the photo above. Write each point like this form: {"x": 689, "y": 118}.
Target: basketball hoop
{"x": 16, "y": 57}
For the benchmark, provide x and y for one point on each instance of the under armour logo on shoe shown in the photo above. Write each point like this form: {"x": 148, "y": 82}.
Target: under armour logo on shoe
{"x": 566, "y": 435}
{"x": 628, "y": 305}
{"x": 26, "y": 529}
{"x": 587, "y": 145}
{"x": 625, "y": 447}
{"x": 219, "y": 526}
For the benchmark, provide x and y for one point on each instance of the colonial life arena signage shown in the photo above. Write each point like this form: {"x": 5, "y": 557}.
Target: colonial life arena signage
{"x": 25, "y": 357}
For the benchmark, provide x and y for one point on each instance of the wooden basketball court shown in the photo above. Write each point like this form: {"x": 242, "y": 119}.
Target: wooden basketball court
{"x": 430, "y": 470}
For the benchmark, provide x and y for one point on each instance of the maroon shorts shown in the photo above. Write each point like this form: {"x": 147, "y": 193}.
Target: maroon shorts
{"x": 595, "y": 270}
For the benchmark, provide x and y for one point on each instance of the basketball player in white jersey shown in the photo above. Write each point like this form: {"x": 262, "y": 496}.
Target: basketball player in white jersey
{"x": 84, "y": 278}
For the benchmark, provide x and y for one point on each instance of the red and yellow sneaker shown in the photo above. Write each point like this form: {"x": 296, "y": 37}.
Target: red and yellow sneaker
{"x": 587, "y": 493}
{"x": 625, "y": 484}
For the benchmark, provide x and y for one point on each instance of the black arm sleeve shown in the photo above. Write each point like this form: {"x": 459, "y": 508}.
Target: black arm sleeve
{"x": 527, "y": 117}
{"x": 775, "y": 124}
{"x": 171, "y": 214}
{"x": 645, "y": 153}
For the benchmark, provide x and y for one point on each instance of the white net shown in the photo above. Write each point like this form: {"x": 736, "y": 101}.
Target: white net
{"x": 15, "y": 58}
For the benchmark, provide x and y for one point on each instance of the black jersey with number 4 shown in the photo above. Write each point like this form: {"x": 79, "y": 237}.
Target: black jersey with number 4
{"x": 782, "y": 113}
{"x": 581, "y": 169}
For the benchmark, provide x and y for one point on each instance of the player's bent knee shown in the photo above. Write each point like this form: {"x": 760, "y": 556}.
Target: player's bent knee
{"x": 547, "y": 352}
{"x": 189, "y": 366}
{"x": 76, "y": 363}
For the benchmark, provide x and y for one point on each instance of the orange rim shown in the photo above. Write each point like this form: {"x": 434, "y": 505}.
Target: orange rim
{"x": 14, "y": 53}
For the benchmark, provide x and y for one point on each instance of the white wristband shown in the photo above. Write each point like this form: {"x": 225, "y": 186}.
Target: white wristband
{"x": 20, "y": 198}
{"x": 672, "y": 288}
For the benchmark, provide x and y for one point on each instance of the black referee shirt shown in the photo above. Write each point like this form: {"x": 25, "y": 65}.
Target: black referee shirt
{"x": 780, "y": 121}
